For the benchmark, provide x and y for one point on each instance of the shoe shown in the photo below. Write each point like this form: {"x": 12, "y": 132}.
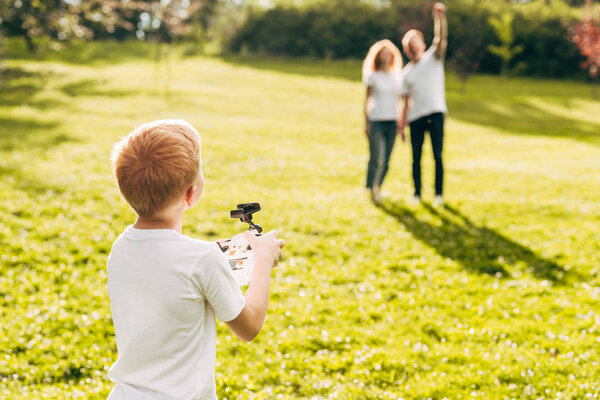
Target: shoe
{"x": 438, "y": 201}
{"x": 377, "y": 197}
{"x": 414, "y": 200}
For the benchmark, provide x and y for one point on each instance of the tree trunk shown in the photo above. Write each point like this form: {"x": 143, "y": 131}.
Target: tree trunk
{"x": 30, "y": 44}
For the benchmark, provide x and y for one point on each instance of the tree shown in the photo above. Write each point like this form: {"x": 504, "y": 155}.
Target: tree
{"x": 165, "y": 20}
{"x": 503, "y": 26}
{"x": 3, "y": 13}
{"x": 60, "y": 20}
{"x": 466, "y": 46}
{"x": 586, "y": 36}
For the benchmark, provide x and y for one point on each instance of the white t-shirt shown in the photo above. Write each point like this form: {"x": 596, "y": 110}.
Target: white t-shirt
{"x": 386, "y": 88}
{"x": 424, "y": 82}
{"x": 165, "y": 289}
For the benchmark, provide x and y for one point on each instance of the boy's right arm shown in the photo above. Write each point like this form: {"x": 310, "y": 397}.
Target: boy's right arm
{"x": 267, "y": 252}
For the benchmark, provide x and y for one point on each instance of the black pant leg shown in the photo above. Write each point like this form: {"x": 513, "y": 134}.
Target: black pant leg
{"x": 437, "y": 144}
{"x": 417, "y": 136}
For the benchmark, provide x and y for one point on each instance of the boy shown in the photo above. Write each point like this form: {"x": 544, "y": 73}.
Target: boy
{"x": 166, "y": 288}
{"x": 425, "y": 99}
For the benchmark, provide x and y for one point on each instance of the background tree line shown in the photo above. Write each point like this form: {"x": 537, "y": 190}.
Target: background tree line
{"x": 490, "y": 36}
{"x": 529, "y": 37}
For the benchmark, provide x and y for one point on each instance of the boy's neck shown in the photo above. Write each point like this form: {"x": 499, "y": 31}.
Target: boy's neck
{"x": 163, "y": 221}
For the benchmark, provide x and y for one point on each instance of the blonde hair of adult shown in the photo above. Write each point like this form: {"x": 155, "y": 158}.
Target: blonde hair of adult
{"x": 371, "y": 60}
{"x": 156, "y": 163}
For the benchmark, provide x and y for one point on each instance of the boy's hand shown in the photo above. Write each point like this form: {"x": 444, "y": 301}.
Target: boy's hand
{"x": 267, "y": 246}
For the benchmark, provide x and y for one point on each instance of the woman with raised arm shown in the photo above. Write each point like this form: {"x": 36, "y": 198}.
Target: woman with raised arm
{"x": 381, "y": 75}
{"x": 424, "y": 98}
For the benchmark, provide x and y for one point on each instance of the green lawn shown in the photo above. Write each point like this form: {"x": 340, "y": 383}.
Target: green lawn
{"x": 494, "y": 297}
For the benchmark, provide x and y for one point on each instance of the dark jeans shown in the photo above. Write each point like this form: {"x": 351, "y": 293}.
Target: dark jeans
{"x": 433, "y": 123}
{"x": 381, "y": 142}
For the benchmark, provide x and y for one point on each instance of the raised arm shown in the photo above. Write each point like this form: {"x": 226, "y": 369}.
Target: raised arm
{"x": 440, "y": 30}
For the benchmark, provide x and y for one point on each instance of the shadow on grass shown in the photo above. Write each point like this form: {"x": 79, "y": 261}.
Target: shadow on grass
{"x": 91, "y": 88}
{"x": 491, "y": 101}
{"x": 103, "y": 52}
{"x": 339, "y": 69}
{"x": 477, "y": 248}
{"x": 521, "y": 118}
{"x": 29, "y": 133}
{"x": 18, "y": 87}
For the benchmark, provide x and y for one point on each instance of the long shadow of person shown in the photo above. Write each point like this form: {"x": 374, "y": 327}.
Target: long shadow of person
{"x": 477, "y": 248}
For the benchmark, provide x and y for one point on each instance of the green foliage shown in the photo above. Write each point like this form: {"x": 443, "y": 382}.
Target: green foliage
{"x": 495, "y": 297}
{"x": 466, "y": 45}
{"x": 489, "y": 36}
{"x": 507, "y": 50}
{"x": 57, "y": 22}
{"x": 546, "y": 49}
{"x": 322, "y": 30}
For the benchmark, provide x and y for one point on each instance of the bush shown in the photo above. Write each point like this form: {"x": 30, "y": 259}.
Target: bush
{"x": 469, "y": 35}
{"x": 341, "y": 29}
{"x": 547, "y": 51}
{"x": 321, "y": 31}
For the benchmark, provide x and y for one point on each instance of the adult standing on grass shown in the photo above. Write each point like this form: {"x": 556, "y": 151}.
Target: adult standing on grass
{"x": 381, "y": 74}
{"x": 424, "y": 98}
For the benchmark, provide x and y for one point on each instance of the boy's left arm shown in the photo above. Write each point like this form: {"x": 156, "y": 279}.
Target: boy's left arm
{"x": 440, "y": 30}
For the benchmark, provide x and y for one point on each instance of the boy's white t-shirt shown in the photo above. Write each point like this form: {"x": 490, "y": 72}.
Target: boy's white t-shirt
{"x": 424, "y": 82}
{"x": 386, "y": 88}
{"x": 165, "y": 290}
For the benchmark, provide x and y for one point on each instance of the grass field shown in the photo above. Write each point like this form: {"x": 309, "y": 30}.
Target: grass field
{"x": 496, "y": 296}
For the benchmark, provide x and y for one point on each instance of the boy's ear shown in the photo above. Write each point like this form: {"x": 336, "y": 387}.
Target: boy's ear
{"x": 189, "y": 196}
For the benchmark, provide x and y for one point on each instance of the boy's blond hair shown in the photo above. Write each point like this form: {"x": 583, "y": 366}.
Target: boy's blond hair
{"x": 156, "y": 163}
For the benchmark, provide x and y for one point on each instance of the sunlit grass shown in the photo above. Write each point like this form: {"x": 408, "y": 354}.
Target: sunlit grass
{"x": 496, "y": 296}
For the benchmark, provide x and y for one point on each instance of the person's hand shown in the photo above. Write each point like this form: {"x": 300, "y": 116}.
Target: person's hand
{"x": 368, "y": 129}
{"x": 439, "y": 9}
{"x": 400, "y": 132}
{"x": 266, "y": 247}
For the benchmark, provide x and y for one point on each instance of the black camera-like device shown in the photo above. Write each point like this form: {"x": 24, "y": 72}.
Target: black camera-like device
{"x": 244, "y": 212}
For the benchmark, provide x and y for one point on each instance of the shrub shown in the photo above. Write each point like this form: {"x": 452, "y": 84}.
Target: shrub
{"x": 322, "y": 31}
{"x": 340, "y": 29}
